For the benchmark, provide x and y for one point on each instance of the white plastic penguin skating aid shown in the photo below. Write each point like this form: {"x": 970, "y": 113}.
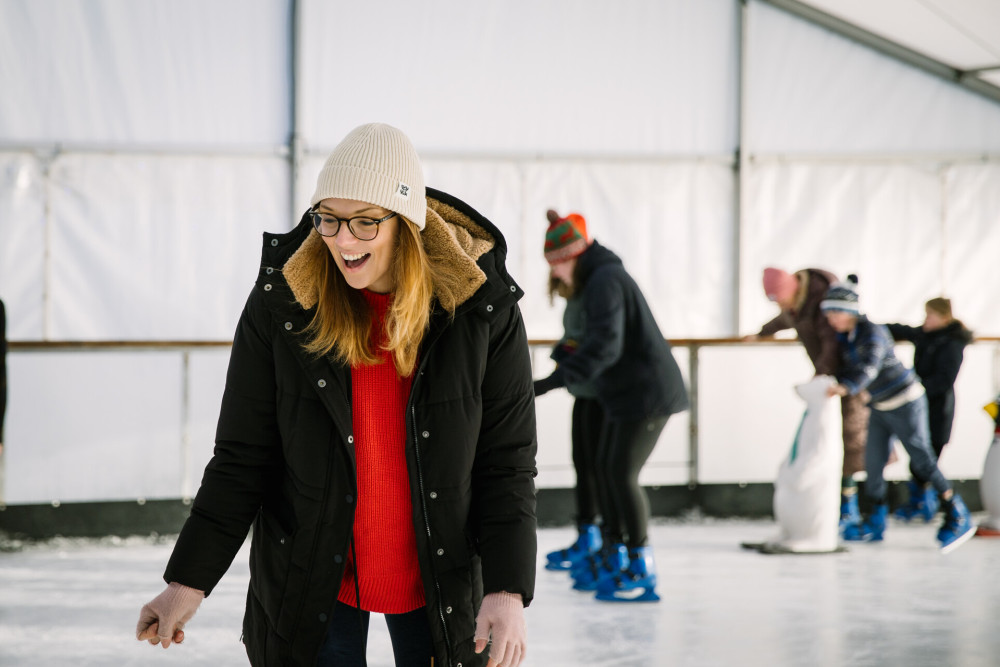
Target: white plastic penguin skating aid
{"x": 989, "y": 483}
{"x": 807, "y": 490}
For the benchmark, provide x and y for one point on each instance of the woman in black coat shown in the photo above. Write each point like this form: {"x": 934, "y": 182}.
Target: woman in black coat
{"x": 630, "y": 366}
{"x": 377, "y": 430}
{"x": 939, "y": 349}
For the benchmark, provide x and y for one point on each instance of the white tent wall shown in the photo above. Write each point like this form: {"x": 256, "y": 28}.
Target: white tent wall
{"x": 169, "y": 246}
{"x": 145, "y": 146}
{"x": 562, "y": 77}
{"x": 22, "y": 244}
{"x": 165, "y": 73}
{"x": 810, "y": 91}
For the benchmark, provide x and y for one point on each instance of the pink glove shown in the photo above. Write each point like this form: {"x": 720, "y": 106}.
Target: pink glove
{"x": 162, "y": 620}
{"x": 502, "y": 616}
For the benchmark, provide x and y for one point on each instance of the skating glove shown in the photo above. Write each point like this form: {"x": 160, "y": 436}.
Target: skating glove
{"x": 162, "y": 620}
{"x": 502, "y": 616}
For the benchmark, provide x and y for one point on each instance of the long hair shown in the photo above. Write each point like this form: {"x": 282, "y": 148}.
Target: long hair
{"x": 560, "y": 288}
{"x": 342, "y": 323}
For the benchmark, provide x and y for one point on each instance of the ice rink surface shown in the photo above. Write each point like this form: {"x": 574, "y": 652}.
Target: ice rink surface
{"x": 75, "y": 603}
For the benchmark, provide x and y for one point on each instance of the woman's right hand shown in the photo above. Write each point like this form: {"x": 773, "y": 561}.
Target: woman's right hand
{"x": 162, "y": 619}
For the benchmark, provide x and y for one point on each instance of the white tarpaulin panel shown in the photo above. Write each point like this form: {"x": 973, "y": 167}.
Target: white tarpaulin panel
{"x": 206, "y": 383}
{"x": 809, "y": 90}
{"x": 22, "y": 244}
{"x": 158, "y": 248}
{"x": 972, "y": 248}
{"x": 882, "y": 222}
{"x": 180, "y": 72}
{"x": 75, "y": 435}
{"x": 563, "y": 76}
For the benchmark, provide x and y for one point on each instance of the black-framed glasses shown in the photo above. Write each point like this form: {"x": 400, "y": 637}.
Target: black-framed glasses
{"x": 364, "y": 228}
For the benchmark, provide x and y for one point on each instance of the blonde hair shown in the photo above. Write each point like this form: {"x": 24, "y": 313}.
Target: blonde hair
{"x": 342, "y": 323}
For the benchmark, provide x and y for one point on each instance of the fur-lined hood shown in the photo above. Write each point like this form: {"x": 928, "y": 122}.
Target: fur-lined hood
{"x": 455, "y": 236}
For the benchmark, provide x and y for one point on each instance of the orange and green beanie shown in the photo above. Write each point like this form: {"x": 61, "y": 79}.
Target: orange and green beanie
{"x": 566, "y": 237}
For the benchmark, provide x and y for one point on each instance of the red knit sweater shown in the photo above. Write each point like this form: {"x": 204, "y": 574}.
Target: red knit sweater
{"x": 384, "y": 539}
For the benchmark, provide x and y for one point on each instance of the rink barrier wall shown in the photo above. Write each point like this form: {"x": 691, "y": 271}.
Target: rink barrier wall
{"x": 555, "y": 508}
{"x": 72, "y": 465}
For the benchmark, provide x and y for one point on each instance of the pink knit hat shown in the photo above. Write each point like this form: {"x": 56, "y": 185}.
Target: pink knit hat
{"x": 779, "y": 285}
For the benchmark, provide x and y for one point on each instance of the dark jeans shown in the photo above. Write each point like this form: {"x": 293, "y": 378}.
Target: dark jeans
{"x": 623, "y": 449}
{"x": 908, "y": 423}
{"x": 588, "y": 422}
{"x": 347, "y": 638}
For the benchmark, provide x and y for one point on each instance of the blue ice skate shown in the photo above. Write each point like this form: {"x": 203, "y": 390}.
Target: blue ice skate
{"x": 923, "y": 502}
{"x": 871, "y": 529}
{"x": 635, "y": 583}
{"x": 958, "y": 527}
{"x": 587, "y": 543}
{"x": 849, "y": 512}
{"x": 609, "y": 561}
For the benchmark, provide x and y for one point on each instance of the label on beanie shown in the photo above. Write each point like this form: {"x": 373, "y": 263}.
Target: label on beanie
{"x": 403, "y": 190}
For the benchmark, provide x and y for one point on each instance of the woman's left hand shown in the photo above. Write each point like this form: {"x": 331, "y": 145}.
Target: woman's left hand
{"x": 502, "y": 617}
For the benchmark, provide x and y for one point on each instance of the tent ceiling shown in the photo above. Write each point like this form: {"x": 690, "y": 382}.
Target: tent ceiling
{"x": 963, "y": 35}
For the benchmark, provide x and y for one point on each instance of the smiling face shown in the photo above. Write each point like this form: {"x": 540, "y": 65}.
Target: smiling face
{"x": 364, "y": 264}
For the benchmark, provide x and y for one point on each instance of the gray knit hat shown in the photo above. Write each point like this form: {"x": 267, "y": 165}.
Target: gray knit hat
{"x": 377, "y": 164}
{"x": 842, "y": 296}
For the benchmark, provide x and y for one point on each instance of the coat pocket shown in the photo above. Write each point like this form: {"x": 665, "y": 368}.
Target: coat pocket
{"x": 270, "y": 558}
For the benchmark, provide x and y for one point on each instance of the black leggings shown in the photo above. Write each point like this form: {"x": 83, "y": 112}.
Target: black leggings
{"x": 622, "y": 451}
{"x": 588, "y": 423}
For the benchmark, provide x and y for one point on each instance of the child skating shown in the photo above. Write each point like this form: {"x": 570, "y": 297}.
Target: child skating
{"x": 898, "y": 407}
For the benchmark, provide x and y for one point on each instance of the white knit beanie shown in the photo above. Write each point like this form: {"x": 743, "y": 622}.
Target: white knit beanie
{"x": 376, "y": 164}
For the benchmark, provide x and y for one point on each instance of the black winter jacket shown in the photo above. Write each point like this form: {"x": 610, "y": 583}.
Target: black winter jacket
{"x": 937, "y": 358}
{"x": 937, "y": 355}
{"x": 284, "y": 456}
{"x": 622, "y": 352}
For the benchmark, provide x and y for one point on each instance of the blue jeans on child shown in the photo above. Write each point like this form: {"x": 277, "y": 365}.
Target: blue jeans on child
{"x": 347, "y": 638}
{"x": 908, "y": 422}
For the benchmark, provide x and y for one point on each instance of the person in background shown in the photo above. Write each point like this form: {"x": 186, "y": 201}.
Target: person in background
{"x": 624, "y": 357}
{"x": 377, "y": 430}
{"x": 939, "y": 348}
{"x": 588, "y": 417}
{"x": 798, "y": 295}
{"x": 898, "y": 408}
{"x": 3, "y": 369}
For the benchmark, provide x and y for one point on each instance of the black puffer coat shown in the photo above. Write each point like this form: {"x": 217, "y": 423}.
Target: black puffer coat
{"x": 284, "y": 456}
{"x": 622, "y": 352}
